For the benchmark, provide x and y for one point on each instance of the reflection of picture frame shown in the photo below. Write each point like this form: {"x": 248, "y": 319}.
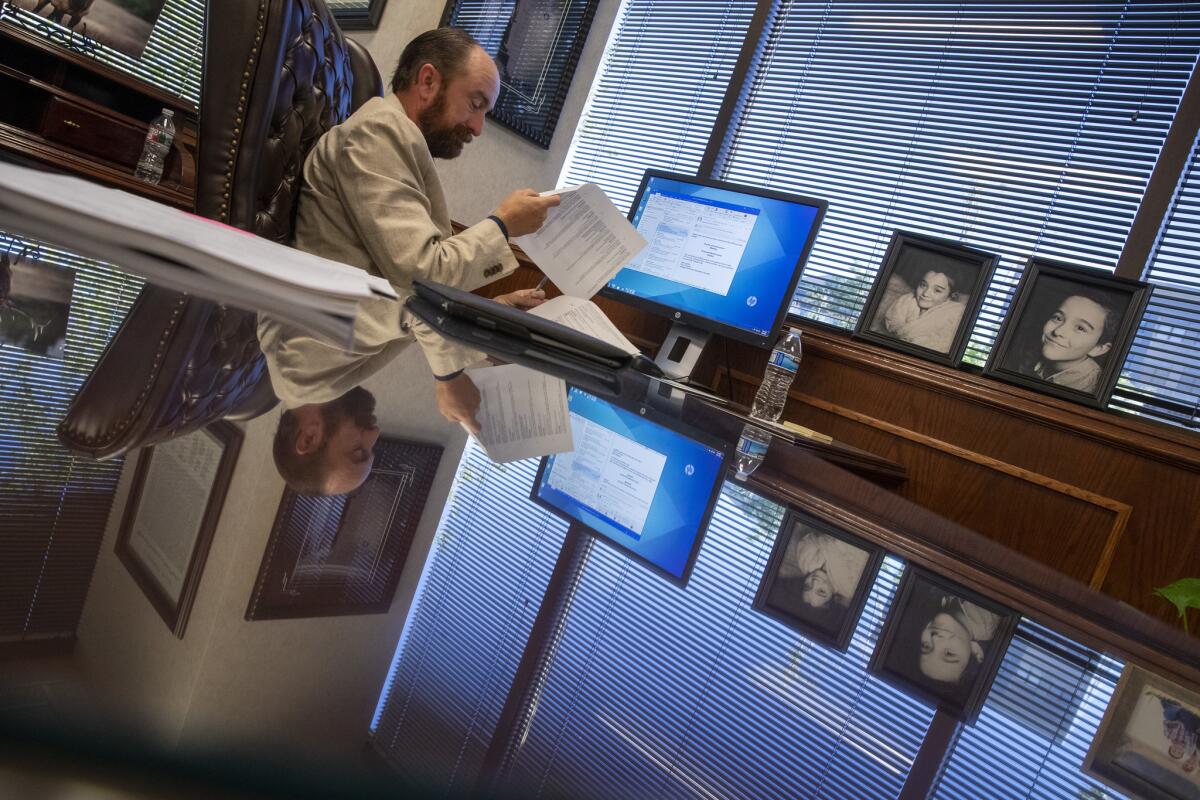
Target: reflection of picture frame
{"x": 536, "y": 47}
{"x": 1093, "y": 340}
{"x": 174, "y": 503}
{"x": 339, "y": 555}
{"x": 943, "y": 642}
{"x": 124, "y": 25}
{"x": 1148, "y": 738}
{"x": 357, "y": 15}
{"x": 926, "y": 297}
{"x": 818, "y": 578}
{"x": 35, "y": 300}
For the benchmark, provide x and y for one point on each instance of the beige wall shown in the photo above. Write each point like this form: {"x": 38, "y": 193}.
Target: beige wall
{"x": 500, "y": 161}
{"x": 309, "y": 683}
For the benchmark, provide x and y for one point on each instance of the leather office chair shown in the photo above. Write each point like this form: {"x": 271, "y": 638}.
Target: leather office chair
{"x": 278, "y": 74}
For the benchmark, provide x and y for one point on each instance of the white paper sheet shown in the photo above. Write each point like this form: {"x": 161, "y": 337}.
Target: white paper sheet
{"x": 523, "y": 413}
{"x": 583, "y": 316}
{"x": 584, "y": 242}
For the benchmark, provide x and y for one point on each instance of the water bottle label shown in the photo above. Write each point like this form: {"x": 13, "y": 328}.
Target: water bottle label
{"x": 752, "y": 448}
{"x": 784, "y": 361}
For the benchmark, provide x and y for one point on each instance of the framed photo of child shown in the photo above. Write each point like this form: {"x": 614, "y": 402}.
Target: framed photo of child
{"x": 943, "y": 642}
{"x": 1068, "y": 331}
{"x": 818, "y": 578}
{"x": 1148, "y": 744}
{"x": 926, "y": 297}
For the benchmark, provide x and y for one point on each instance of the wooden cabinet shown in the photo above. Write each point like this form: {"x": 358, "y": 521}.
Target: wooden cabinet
{"x": 69, "y": 112}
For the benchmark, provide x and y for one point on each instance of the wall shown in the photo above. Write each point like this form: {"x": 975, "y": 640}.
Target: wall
{"x": 499, "y": 161}
{"x": 308, "y": 683}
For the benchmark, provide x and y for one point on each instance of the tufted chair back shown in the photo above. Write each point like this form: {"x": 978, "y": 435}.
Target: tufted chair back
{"x": 278, "y": 74}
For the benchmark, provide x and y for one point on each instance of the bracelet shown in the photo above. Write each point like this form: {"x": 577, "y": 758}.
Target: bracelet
{"x": 500, "y": 223}
{"x": 449, "y": 377}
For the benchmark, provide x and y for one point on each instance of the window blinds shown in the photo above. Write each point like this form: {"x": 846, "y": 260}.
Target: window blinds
{"x": 1161, "y": 376}
{"x": 478, "y": 596}
{"x": 53, "y": 504}
{"x": 656, "y": 691}
{"x": 1039, "y": 720}
{"x": 174, "y": 56}
{"x": 657, "y": 93}
{"x": 1020, "y": 128}
{"x": 486, "y": 20}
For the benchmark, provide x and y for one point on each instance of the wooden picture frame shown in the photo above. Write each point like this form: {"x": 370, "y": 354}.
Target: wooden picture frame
{"x": 1020, "y": 354}
{"x": 1148, "y": 738}
{"x": 536, "y": 51}
{"x": 943, "y": 643}
{"x": 332, "y": 556}
{"x": 360, "y": 16}
{"x": 818, "y": 578}
{"x": 175, "y": 501}
{"x": 932, "y": 319}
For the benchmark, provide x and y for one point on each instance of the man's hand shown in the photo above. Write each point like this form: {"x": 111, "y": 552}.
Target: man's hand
{"x": 458, "y": 400}
{"x": 524, "y": 211}
{"x": 524, "y": 299}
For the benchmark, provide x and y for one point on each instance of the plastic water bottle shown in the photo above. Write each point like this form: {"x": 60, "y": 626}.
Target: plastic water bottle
{"x": 158, "y": 145}
{"x": 781, "y": 371}
{"x": 751, "y": 450}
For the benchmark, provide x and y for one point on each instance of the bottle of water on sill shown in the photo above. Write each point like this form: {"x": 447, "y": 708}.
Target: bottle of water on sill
{"x": 781, "y": 371}
{"x": 158, "y": 145}
{"x": 751, "y": 450}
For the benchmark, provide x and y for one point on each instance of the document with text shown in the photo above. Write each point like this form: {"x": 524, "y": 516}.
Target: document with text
{"x": 584, "y": 242}
{"x": 583, "y": 316}
{"x": 523, "y": 413}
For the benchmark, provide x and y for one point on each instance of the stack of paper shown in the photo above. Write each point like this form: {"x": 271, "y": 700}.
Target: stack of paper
{"x": 181, "y": 251}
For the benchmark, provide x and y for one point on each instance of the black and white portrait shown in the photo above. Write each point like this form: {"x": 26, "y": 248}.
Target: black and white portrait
{"x": 1068, "y": 330}
{"x": 943, "y": 642}
{"x": 123, "y": 25}
{"x": 35, "y": 301}
{"x": 818, "y": 578}
{"x": 926, "y": 296}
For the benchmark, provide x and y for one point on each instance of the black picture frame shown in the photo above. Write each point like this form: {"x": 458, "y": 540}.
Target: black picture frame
{"x": 927, "y": 604}
{"x": 536, "y": 55}
{"x": 1017, "y": 356}
{"x": 941, "y": 333}
{"x": 341, "y": 555}
{"x": 1147, "y": 738}
{"x": 850, "y": 563}
{"x": 164, "y": 549}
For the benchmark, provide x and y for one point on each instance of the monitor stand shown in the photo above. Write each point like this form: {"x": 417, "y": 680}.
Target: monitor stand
{"x": 680, "y": 351}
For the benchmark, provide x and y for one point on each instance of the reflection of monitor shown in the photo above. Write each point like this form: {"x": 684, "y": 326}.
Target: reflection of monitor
{"x": 721, "y": 258}
{"x": 638, "y": 478}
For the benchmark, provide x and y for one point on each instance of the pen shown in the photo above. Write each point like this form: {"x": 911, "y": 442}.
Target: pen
{"x": 541, "y": 283}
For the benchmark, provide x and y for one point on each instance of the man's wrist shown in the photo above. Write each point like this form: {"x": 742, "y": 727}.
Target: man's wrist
{"x": 500, "y": 224}
{"x": 449, "y": 377}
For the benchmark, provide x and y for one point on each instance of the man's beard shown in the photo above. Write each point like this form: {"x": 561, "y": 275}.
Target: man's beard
{"x": 443, "y": 142}
{"x": 357, "y": 405}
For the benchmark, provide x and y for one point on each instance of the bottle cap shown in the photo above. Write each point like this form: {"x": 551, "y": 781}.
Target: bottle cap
{"x": 168, "y": 112}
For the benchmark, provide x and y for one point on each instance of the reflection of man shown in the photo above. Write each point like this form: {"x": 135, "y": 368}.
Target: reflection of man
{"x": 371, "y": 198}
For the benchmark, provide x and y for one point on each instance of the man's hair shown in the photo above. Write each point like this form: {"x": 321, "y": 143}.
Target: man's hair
{"x": 447, "y": 49}
{"x": 304, "y": 474}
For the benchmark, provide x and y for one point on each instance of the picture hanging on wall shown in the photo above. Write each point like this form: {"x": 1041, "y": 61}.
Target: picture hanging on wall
{"x": 818, "y": 578}
{"x": 943, "y": 642}
{"x": 1148, "y": 744}
{"x": 536, "y": 47}
{"x": 123, "y": 25}
{"x": 341, "y": 555}
{"x": 35, "y": 300}
{"x": 926, "y": 297}
{"x": 1068, "y": 330}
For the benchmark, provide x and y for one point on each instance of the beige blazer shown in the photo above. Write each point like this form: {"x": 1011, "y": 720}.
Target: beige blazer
{"x": 372, "y": 199}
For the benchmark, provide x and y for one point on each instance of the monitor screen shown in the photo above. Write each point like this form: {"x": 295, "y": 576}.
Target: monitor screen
{"x": 639, "y": 479}
{"x": 720, "y": 257}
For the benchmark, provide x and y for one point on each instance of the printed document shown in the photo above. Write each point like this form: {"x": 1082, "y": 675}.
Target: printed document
{"x": 586, "y": 317}
{"x": 523, "y": 413}
{"x": 584, "y": 242}
{"x": 610, "y": 473}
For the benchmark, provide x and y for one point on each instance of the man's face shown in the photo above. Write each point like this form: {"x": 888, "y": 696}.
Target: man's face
{"x": 945, "y": 649}
{"x": 1073, "y": 331}
{"x": 455, "y": 115}
{"x": 350, "y": 436}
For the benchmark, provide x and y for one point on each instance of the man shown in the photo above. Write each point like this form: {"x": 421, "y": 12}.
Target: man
{"x": 372, "y": 199}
